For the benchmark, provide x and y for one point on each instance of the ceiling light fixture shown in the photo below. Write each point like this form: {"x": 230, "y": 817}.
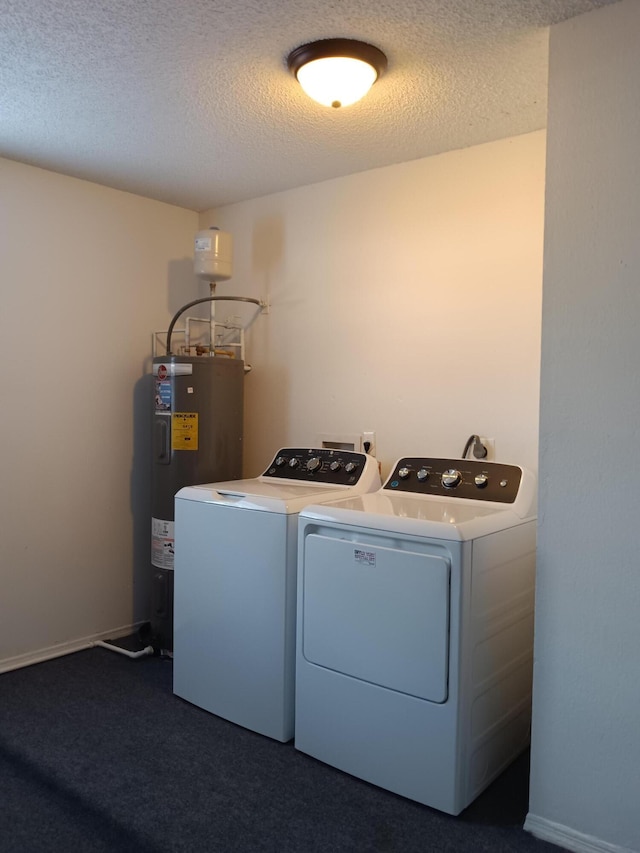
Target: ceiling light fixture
{"x": 336, "y": 72}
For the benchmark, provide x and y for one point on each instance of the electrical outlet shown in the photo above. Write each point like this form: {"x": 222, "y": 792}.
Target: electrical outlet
{"x": 490, "y": 444}
{"x": 369, "y": 436}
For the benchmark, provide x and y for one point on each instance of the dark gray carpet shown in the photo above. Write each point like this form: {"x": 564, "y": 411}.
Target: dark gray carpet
{"x": 96, "y": 754}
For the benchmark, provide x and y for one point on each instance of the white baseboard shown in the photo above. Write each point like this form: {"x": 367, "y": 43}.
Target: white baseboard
{"x": 569, "y": 838}
{"x": 40, "y": 655}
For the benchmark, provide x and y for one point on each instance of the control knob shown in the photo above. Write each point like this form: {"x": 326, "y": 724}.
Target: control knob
{"x": 422, "y": 475}
{"x": 481, "y": 480}
{"x": 314, "y": 463}
{"x": 336, "y": 465}
{"x": 293, "y": 463}
{"x": 403, "y": 473}
{"x": 350, "y": 467}
{"x": 280, "y": 461}
{"x": 451, "y": 478}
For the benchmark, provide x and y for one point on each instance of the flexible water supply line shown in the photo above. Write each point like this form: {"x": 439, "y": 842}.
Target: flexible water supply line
{"x": 148, "y": 650}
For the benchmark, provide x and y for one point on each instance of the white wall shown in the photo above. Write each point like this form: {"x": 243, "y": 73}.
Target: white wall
{"x": 86, "y": 273}
{"x": 585, "y": 786}
{"x": 404, "y": 300}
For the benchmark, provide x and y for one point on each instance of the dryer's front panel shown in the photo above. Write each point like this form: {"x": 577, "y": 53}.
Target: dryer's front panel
{"x": 378, "y": 614}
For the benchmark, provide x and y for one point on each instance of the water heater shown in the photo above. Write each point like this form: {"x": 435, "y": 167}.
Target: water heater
{"x": 197, "y": 438}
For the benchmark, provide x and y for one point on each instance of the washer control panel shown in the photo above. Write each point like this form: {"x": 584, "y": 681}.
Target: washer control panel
{"x": 318, "y": 465}
{"x": 456, "y": 478}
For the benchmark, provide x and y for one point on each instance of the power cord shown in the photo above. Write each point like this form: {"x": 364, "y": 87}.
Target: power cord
{"x": 479, "y": 450}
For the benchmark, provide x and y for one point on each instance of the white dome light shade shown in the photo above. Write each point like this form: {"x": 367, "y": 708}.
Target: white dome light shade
{"x": 336, "y": 72}
{"x": 337, "y": 81}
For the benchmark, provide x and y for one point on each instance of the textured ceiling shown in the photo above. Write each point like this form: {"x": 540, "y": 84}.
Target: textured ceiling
{"x": 190, "y": 101}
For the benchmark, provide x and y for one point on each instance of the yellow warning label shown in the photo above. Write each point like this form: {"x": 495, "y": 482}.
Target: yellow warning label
{"x": 184, "y": 431}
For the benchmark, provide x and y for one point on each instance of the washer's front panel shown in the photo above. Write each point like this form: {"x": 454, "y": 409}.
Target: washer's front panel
{"x": 235, "y": 614}
{"x": 377, "y": 614}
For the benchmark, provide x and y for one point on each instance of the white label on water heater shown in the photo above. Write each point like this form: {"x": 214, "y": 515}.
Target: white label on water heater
{"x": 171, "y": 369}
{"x": 162, "y": 541}
{"x": 203, "y": 244}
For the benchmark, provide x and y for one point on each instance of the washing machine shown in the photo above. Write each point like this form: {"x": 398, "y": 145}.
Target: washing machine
{"x": 415, "y": 629}
{"x": 235, "y": 583}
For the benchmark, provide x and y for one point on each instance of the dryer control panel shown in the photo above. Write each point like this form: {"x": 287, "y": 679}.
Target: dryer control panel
{"x": 319, "y": 465}
{"x": 456, "y": 478}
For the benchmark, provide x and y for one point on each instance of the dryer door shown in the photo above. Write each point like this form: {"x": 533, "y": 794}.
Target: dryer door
{"x": 377, "y": 614}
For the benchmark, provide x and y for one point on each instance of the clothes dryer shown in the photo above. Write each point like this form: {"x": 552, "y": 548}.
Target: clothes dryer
{"x": 235, "y": 583}
{"x": 415, "y": 628}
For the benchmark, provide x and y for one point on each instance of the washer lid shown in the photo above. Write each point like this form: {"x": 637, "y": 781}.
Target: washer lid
{"x": 437, "y": 518}
{"x": 283, "y": 497}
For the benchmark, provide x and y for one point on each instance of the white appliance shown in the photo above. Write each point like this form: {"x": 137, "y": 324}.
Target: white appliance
{"x": 415, "y": 628}
{"x": 235, "y": 583}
